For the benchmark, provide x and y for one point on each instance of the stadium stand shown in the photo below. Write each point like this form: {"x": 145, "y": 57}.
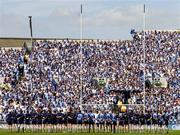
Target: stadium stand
{"x": 49, "y": 81}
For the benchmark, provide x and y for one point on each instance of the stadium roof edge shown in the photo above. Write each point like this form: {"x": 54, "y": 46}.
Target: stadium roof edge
{"x": 18, "y": 41}
{"x": 44, "y": 38}
{"x": 178, "y": 30}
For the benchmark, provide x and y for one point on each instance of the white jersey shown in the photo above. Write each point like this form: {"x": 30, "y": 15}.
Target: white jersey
{"x": 96, "y": 117}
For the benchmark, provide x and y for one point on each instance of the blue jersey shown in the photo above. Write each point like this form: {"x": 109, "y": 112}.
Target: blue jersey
{"x": 101, "y": 117}
{"x": 108, "y": 116}
{"x": 79, "y": 116}
{"x": 114, "y": 117}
{"x": 91, "y": 117}
{"x": 86, "y": 117}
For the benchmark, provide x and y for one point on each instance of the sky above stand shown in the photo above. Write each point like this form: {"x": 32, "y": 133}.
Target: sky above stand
{"x": 102, "y": 19}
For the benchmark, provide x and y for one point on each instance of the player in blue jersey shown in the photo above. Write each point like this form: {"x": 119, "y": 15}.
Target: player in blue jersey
{"x": 91, "y": 120}
{"x": 108, "y": 120}
{"x": 86, "y": 117}
{"x": 101, "y": 119}
{"x": 79, "y": 117}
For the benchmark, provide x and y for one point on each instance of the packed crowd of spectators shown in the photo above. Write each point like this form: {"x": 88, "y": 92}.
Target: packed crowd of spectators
{"x": 58, "y": 76}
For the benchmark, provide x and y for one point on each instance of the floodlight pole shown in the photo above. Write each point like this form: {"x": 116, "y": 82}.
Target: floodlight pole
{"x": 144, "y": 58}
{"x": 30, "y": 26}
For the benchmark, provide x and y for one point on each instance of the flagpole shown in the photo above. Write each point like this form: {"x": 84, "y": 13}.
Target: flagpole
{"x": 81, "y": 71}
{"x": 144, "y": 57}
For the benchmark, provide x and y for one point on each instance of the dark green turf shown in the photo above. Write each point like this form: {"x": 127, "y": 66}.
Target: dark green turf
{"x": 5, "y": 132}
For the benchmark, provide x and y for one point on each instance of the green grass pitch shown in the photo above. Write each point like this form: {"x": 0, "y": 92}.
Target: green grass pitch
{"x": 6, "y": 132}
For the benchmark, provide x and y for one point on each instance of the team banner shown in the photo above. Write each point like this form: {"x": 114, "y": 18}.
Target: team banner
{"x": 160, "y": 82}
{"x": 157, "y": 81}
{"x": 102, "y": 82}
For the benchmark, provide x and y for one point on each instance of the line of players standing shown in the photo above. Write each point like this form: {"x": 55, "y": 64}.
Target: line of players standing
{"x": 86, "y": 117}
